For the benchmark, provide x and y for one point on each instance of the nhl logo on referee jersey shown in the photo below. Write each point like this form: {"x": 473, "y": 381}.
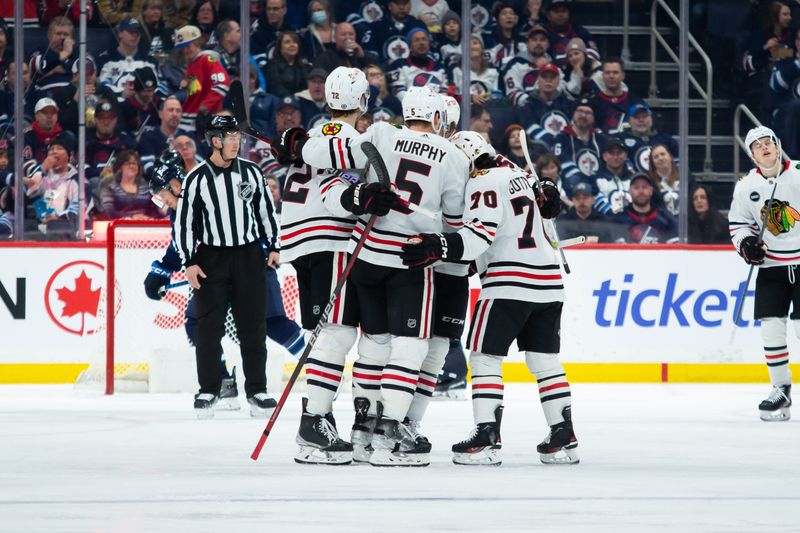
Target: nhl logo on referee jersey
{"x": 245, "y": 191}
{"x": 412, "y": 323}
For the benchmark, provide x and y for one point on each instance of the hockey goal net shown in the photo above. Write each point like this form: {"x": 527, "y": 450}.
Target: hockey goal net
{"x": 142, "y": 346}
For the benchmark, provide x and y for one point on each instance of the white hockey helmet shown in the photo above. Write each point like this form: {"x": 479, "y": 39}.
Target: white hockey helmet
{"x": 452, "y": 112}
{"x": 472, "y": 144}
{"x": 347, "y": 89}
{"x": 759, "y": 132}
{"x": 422, "y": 103}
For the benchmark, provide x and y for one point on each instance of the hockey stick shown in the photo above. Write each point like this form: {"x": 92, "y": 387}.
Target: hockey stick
{"x": 163, "y": 290}
{"x": 236, "y": 93}
{"x": 569, "y": 242}
{"x": 383, "y": 178}
{"x": 740, "y": 305}
{"x": 523, "y": 139}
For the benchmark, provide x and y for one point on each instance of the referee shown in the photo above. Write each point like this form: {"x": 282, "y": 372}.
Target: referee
{"x": 224, "y": 213}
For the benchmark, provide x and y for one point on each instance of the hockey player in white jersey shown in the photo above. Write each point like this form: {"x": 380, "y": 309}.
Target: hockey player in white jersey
{"x": 522, "y": 294}
{"x": 770, "y": 193}
{"x": 314, "y": 234}
{"x": 395, "y": 303}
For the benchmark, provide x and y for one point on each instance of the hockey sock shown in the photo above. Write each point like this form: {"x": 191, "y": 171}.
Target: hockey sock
{"x": 325, "y": 366}
{"x": 286, "y": 333}
{"x": 487, "y": 385}
{"x": 223, "y": 369}
{"x": 554, "y": 390}
{"x": 437, "y": 350}
{"x": 400, "y": 375}
{"x": 373, "y": 354}
{"x": 776, "y": 352}
{"x": 455, "y": 362}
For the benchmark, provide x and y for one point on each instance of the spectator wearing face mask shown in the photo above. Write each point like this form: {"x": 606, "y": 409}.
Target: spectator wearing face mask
{"x": 318, "y": 37}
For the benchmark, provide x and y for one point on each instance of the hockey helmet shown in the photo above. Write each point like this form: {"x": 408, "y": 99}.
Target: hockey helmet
{"x": 757, "y": 133}
{"x": 472, "y": 144}
{"x": 452, "y": 112}
{"x": 422, "y": 103}
{"x": 347, "y": 89}
{"x": 219, "y": 125}
{"x": 169, "y": 166}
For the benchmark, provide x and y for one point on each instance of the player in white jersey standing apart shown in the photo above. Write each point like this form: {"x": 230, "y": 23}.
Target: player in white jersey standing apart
{"x": 776, "y": 257}
{"x": 522, "y": 295}
{"x": 315, "y": 230}
{"x": 395, "y": 303}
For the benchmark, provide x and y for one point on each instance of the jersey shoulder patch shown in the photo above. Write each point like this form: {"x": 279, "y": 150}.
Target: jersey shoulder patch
{"x": 331, "y": 128}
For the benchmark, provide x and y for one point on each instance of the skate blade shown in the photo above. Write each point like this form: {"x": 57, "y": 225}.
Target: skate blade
{"x": 564, "y": 456}
{"x": 204, "y": 414}
{"x": 361, "y": 454}
{"x": 228, "y": 404}
{"x": 781, "y": 415}
{"x": 486, "y": 456}
{"x": 309, "y": 455}
{"x": 388, "y": 458}
{"x": 257, "y": 412}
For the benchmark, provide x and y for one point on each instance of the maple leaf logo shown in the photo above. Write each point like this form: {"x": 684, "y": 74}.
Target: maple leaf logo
{"x": 80, "y": 300}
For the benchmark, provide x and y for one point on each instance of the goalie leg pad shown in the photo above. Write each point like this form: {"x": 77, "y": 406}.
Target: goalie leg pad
{"x": 400, "y": 376}
{"x": 487, "y": 386}
{"x": 776, "y": 352}
{"x": 554, "y": 391}
{"x": 428, "y": 375}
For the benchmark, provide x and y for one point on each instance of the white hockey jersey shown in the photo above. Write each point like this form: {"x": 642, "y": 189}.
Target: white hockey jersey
{"x": 309, "y": 224}
{"x": 504, "y": 232}
{"x": 425, "y": 169}
{"x": 750, "y": 198}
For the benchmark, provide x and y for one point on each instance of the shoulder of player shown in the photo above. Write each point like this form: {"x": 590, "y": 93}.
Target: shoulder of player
{"x": 208, "y": 56}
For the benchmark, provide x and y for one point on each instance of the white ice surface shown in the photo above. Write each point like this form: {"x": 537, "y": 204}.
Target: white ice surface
{"x": 653, "y": 458}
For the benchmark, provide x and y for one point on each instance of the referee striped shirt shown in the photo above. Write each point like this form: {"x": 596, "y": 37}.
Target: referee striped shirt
{"x": 224, "y": 207}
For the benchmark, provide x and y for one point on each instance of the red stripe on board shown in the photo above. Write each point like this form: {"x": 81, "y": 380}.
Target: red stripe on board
{"x": 400, "y": 378}
{"x": 524, "y": 275}
{"x": 664, "y": 372}
{"x": 487, "y": 386}
{"x": 315, "y": 372}
{"x": 366, "y": 377}
{"x": 554, "y": 386}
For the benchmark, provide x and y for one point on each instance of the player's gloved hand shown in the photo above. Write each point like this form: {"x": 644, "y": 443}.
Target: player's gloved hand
{"x": 549, "y": 201}
{"x": 752, "y": 251}
{"x": 371, "y": 198}
{"x": 155, "y": 280}
{"x": 426, "y": 248}
{"x": 288, "y": 148}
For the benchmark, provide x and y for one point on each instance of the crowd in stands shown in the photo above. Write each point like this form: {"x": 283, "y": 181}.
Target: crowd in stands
{"x": 174, "y": 61}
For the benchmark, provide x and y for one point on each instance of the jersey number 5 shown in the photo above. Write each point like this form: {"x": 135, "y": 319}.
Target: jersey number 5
{"x": 520, "y": 204}
{"x": 300, "y": 175}
{"x": 413, "y": 189}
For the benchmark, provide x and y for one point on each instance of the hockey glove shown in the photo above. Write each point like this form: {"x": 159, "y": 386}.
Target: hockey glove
{"x": 288, "y": 148}
{"x": 427, "y": 248}
{"x": 372, "y": 198}
{"x": 549, "y": 200}
{"x": 155, "y": 280}
{"x": 752, "y": 251}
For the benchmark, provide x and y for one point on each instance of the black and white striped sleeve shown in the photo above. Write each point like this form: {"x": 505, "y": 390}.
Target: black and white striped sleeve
{"x": 266, "y": 220}
{"x": 185, "y": 214}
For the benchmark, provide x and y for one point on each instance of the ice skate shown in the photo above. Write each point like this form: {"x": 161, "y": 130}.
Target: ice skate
{"x": 560, "y": 444}
{"x": 229, "y": 394}
{"x": 394, "y": 445}
{"x": 776, "y": 407}
{"x": 261, "y": 405}
{"x": 414, "y": 429}
{"x": 319, "y": 441}
{"x": 483, "y": 445}
{"x": 204, "y": 405}
{"x": 363, "y": 427}
{"x": 451, "y": 389}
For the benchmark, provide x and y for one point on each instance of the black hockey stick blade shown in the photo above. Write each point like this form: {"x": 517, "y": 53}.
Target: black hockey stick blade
{"x": 376, "y": 161}
{"x": 238, "y": 105}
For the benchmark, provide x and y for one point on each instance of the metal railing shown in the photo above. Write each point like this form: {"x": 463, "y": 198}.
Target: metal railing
{"x": 738, "y": 142}
{"x": 705, "y": 94}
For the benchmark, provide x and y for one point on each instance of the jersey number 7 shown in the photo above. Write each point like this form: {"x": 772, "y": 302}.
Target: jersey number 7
{"x": 520, "y": 204}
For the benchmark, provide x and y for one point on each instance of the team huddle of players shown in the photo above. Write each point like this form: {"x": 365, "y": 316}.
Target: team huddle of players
{"x": 452, "y": 202}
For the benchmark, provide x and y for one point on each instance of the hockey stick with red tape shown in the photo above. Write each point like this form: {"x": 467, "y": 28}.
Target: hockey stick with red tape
{"x": 383, "y": 177}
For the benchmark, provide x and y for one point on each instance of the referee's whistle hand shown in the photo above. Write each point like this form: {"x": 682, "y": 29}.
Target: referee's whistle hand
{"x": 193, "y": 274}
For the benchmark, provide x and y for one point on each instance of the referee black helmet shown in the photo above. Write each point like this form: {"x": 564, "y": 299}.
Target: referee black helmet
{"x": 219, "y": 125}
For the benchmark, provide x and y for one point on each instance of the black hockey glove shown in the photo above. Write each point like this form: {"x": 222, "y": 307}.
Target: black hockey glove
{"x": 426, "y": 248}
{"x": 752, "y": 251}
{"x": 288, "y": 148}
{"x": 155, "y": 280}
{"x": 371, "y": 198}
{"x": 549, "y": 200}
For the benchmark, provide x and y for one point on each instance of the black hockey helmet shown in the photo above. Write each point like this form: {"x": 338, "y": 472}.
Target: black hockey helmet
{"x": 169, "y": 166}
{"x": 219, "y": 125}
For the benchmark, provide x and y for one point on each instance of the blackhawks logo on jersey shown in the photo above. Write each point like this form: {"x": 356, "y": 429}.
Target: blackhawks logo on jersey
{"x": 194, "y": 86}
{"x": 331, "y": 128}
{"x": 782, "y": 217}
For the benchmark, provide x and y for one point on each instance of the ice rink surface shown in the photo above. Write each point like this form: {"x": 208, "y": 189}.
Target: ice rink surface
{"x": 653, "y": 458}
